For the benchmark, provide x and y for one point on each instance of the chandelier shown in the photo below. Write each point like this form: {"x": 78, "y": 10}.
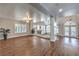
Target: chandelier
{"x": 27, "y": 19}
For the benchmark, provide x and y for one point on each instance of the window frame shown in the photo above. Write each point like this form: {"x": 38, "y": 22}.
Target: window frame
{"x": 20, "y": 26}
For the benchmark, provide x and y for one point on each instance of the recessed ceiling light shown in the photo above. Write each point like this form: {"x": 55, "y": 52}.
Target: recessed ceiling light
{"x": 60, "y": 10}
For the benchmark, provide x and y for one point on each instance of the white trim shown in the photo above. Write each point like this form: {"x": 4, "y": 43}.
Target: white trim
{"x": 14, "y": 36}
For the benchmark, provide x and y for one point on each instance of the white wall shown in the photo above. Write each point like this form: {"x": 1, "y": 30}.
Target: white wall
{"x": 13, "y": 13}
{"x": 10, "y": 24}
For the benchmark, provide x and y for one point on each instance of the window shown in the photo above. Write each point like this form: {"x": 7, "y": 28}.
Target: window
{"x": 20, "y": 28}
{"x": 55, "y": 28}
{"x": 42, "y": 29}
{"x": 66, "y": 31}
{"x": 73, "y": 31}
{"x": 34, "y": 26}
{"x": 41, "y": 26}
{"x": 23, "y": 28}
{"x": 38, "y": 27}
{"x": 48, "y": 28}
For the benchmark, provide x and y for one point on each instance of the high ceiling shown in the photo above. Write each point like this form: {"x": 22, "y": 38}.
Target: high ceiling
{"x": 18, "y": 11}
{"x": 68, "y": 8}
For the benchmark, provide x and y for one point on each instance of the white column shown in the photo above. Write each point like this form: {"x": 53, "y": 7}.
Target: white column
{"x": 52, "y": 39}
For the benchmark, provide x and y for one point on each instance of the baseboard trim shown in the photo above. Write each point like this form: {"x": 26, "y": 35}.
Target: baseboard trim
{"x": 16, "y": 37}
{"x": 26, "y": 36}
{"x": 41, "y": 36}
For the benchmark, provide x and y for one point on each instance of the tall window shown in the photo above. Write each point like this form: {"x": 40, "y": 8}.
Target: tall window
{"x": 20, "y": 28}
{"x": 47, "y": 26}
{"x": 48, "y": 29}
{"x": 41, "y": 25}
{"x": 55, "y": 28}
{"x": 42, "y": 29}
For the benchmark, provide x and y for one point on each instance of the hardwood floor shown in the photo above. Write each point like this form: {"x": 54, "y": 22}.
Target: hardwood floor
{"x": 36, "y": 46}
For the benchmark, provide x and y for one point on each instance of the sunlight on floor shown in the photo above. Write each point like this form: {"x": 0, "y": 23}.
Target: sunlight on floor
{"x": 70, "y": 41}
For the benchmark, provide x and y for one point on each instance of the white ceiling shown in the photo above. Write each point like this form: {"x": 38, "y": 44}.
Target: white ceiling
{"x": 68, "y": 8}
{"x": 19, "y": 10}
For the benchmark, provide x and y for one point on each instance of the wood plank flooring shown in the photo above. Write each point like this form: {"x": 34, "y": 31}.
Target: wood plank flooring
{"x": 36, "y": 46}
